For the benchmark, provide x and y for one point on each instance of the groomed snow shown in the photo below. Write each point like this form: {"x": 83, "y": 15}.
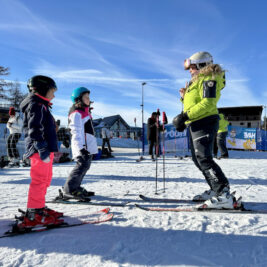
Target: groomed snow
{"x": 140, "y": 238}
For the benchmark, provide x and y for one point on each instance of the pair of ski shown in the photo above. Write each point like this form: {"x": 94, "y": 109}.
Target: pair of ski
{"x": 193, "y": 207}
{"x": 99, "y": 216}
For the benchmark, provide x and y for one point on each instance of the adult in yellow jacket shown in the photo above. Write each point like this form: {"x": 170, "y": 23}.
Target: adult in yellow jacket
{"x": 220, "y": 140}
{"x": 200, "y": 115}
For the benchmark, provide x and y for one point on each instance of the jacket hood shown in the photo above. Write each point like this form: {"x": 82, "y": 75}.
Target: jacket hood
{"x": 212, "y": 69}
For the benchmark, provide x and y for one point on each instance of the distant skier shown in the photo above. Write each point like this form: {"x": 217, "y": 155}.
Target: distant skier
{"x": 83, "y": 143}
{"x": 220, "y": 139}
{"x": 201, "y": 116}
{"x": 40, "y": 141}
{"x": 106, "y": 135}
{"x": 152, "y": 134}
{"x": 14, "y": 125}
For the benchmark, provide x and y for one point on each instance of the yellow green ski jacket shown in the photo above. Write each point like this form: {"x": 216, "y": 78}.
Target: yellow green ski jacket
{"x": 223, "y": 124}
{"x": 203, "y": 93}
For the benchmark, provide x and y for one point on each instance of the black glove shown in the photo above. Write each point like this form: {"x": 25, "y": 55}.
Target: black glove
{"x": 85, "y": 154}
{"x": 42, "y": 149}
{"x": 179, "y": 121}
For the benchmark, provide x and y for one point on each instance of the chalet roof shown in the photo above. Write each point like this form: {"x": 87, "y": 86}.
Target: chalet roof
{"x": 110, "y": 121}
{"x": 245, "y": 110}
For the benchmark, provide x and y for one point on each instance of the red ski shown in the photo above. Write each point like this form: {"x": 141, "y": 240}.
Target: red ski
{"x": 91, "y": 218}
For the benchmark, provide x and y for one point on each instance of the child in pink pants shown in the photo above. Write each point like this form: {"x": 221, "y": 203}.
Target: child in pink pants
{"x": 41, "y": 143}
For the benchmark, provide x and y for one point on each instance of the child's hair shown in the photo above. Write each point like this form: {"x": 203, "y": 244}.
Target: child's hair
{"x": 79, "y": 104}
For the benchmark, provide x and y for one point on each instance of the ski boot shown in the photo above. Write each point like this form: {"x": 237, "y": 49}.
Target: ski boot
{"x": 37, "y": 218}
{"x": 204, "y": 196}
{"x": 53, "y": 213}
{"x": 225, "y": 200}
{"x": 86, "y": 193}
{"x": 77, "y": 194}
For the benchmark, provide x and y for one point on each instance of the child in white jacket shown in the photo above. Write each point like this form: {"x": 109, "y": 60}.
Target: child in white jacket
{"x": 83, "y": 143}
{"x": 14, "y": 126}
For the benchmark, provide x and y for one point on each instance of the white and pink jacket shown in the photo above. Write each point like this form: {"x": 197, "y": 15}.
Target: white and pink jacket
{"x": 82, "y": 132}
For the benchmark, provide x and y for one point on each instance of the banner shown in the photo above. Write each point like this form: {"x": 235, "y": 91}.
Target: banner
{"x": 241, "y": 138}
{"x": 174, "y": 141}
{"x": 261, "y": 140}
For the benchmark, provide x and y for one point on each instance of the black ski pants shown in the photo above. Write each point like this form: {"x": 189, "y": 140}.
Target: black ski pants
{"x": 76, "y": 176}
{"x": 12, "y": 141}
{"x": 202, "y": 135}
{"x": 104, "y": 141}
{"x": 153, "y": 145}
{"x": 220, "y": 143}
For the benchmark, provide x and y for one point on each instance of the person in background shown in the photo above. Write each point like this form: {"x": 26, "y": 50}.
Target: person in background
{"x": 40, "y": 144}
{"x": 153, "y": 135}
{"x": 83, "y": 144}
{"x": 200, "y": 115}
{"x": 220, "y": 139}
{"x": 106, "y": 135}
{"x": 14, "y": 126}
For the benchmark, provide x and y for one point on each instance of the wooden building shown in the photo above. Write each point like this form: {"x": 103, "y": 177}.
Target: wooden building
{"x": 247, "y": 116}
{"x": 117, "y": 125}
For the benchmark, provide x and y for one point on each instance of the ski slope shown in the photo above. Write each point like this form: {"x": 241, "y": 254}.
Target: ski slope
{"x": 140, "y": 238}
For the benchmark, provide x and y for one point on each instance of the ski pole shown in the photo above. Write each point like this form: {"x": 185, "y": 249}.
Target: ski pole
{"x": 175, "y": 155}
{"x": 137, "y": 138}
{"x": 157, "y": 148}
{"x": 164, "y": 121}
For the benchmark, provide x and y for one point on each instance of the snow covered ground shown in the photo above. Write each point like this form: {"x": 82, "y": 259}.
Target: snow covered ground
{"x": 140, "y": 238}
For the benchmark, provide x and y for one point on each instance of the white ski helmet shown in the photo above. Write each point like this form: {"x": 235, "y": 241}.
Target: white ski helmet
{"x": 200, "y": 59}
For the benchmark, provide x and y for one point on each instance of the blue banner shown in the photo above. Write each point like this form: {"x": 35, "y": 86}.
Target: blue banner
{"x": 261, "y": 142}
{"x": 241, "y": 138}
{"x": 173, "y": 140}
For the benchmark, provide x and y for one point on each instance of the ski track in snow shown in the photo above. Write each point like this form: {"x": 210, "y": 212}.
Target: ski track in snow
{"x": 139, "y": 238}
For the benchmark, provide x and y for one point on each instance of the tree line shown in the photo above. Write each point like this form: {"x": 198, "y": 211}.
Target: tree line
{"x": 10, "y": 92}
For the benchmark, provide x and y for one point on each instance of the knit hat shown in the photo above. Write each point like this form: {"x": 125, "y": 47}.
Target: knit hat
{"x": 12, "y": 111}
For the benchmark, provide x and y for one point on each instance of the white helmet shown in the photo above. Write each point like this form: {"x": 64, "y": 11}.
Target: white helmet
{"x": 200, "y": 59}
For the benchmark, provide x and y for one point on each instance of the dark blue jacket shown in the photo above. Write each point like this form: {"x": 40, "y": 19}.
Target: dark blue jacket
{"x": 38, "y": 124}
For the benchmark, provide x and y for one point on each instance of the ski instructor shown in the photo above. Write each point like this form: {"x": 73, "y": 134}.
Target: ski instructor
{"x": 200, "y": 115}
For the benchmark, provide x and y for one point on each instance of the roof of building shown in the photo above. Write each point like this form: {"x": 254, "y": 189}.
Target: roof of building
{"x": 109, "y": 121}
{"x": 245, "y": 110}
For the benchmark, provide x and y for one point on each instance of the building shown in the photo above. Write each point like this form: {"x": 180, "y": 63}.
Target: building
{"x": 247, "y": 116}
{"x": 118, "y": 126}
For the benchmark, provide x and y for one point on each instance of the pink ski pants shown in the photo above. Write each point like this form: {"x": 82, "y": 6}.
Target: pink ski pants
{"x": 41, "y": 175}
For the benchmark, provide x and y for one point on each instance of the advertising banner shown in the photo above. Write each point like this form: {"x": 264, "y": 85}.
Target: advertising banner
{"x": 174, "y": 141}
{"x": 241, "y": 138}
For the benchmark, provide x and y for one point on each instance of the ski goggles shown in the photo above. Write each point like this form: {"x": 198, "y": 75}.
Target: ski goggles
{"x": 187, "y": 63}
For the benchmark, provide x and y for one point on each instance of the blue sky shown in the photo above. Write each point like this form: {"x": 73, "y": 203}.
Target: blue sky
{"x": 111, "y": 47}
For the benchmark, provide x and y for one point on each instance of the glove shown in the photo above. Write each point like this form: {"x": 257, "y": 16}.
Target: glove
{"x": 84, "y": 154}
{"x": 179, "y": 121}
{"x": 43, "y": 151}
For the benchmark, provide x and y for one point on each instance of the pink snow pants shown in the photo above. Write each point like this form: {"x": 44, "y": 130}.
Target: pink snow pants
{"x": 41, "y": 175}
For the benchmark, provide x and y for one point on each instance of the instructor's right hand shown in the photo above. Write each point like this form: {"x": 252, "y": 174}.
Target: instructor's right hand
{"x": 182, "y": 92}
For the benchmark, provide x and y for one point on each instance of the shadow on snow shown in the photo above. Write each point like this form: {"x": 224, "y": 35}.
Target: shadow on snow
{"x": 147, "y": 246}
